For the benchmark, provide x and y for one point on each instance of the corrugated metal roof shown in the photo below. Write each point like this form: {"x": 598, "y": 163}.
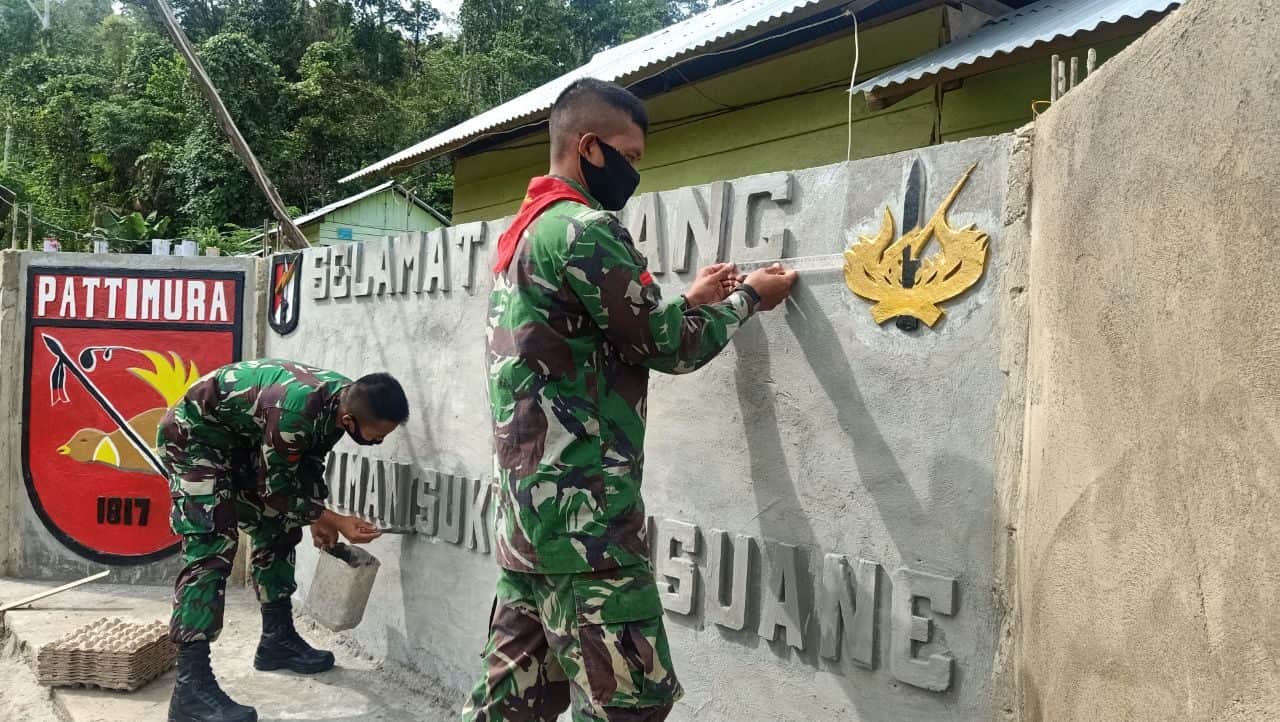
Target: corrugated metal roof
{"x": 326, "y": 210}
{"x": 1039, "y": 22}
{"x": 624, "y": 62}
{"x": 320, "y": 213}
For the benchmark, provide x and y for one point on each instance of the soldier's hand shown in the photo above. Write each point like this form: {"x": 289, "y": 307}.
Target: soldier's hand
{"x": 773, "y": 283}
{"x": 358, "y": 531}
{"x": 712, "y": 284}
{"x": 323, "y": 535}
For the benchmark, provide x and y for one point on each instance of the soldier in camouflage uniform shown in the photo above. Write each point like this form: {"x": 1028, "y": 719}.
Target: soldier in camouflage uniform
{"x": 575, "y": 325}
{"x": 246, "y": 447}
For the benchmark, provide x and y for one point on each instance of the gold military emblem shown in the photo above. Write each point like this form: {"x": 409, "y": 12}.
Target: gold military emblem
{"x": 903, "y": 285}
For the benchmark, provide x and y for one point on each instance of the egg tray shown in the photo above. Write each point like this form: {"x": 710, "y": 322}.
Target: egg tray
{"x": 108, "y": 653}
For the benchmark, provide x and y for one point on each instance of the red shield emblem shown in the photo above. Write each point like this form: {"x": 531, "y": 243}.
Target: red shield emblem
{"x": 108, "y": 352}
{"x": 286, "y": 292}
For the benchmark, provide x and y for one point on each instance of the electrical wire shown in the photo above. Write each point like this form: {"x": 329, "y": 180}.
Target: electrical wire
{"x": 853, "y": 79}
{"x": 694, "y": 87}
{"x": 31, "y": 217}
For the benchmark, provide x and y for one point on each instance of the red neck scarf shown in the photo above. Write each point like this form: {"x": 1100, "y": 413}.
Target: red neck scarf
{"x": 543, "y": 192}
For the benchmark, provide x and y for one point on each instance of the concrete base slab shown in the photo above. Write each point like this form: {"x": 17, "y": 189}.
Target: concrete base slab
{"x": 359, "y": 688}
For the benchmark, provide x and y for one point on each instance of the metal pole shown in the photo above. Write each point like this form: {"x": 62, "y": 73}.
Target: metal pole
{"x": 1053, "y": 78}
{"x": 292, "y": 236}
{"x": 44, "y": 16}
{"x": 50, "y": 592}
{"x": 31, "y": 226}
{"x": 14, "y": 243}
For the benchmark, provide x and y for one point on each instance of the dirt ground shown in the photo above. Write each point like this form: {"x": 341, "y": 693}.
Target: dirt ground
{"x": 359, "y": 688}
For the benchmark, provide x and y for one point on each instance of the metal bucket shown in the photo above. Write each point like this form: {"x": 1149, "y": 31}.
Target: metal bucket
{"x": 341, "y": 587}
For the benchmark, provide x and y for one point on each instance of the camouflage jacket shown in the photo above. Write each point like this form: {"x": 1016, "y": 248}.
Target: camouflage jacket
{"x": 273, "y": 419}
{"x": 575, "y": 325}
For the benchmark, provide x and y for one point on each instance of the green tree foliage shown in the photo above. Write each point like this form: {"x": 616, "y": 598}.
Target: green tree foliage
{"x": 111, "y": 138}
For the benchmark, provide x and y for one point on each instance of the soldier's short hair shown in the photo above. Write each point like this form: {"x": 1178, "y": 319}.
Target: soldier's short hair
{"x": 380, "y": 396}
{"x": 589, "y": 105}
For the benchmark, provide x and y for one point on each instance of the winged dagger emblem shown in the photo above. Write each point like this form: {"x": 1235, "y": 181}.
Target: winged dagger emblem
{"x": 893, "y": 274}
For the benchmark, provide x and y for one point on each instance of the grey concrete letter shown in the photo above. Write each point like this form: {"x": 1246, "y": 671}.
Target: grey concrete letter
{"x": 435, "y": 271}
{"x": 780, "y": 600}
{"x": 453, "y": 497}
{"x": 696, "y": 226}
{"x": 467, "y": 238}
{"x": 848, "y": 609}
{"x": 933, "y": 673}
{"x": 722, "y": 579}
{"x": 775, "y": 186}
{"x": 429, "y": 493}
{"x": 478, "y": 530}
{"x": 340, "y": 267}
{"x": 677, "y": 574}
{"x": 404, "y": 499}
{"x": 648, "y": 232}
{"x": 317, "y": 271}
{"x": 411, "y": 252}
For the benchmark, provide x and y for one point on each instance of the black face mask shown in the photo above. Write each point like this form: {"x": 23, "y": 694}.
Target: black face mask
{"x": 613, "y": 184}
{"x": 356, "y": 436}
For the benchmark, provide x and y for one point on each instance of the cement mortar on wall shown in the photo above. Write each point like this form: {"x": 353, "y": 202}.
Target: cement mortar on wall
{"x": 33, "y": 552}
{"x": 11, "y": 491}
{"x": 1149, "y": 558}
{"x": 816, "y": 428}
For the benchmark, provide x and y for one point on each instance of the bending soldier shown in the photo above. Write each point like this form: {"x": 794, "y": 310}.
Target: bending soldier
{"x": 246, "y": 447}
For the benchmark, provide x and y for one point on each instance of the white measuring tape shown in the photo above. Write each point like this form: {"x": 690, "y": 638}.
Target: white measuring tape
{"x": 824, "y": 262}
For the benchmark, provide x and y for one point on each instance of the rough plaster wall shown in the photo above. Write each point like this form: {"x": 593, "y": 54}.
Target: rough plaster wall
{"x": 816, "y": 428}
{"x": 819, "y": 428}
{"x": 33, "y": 552}
{"x": 10, "y": 399}
{"x": 1011, "y": 421}
{"x": 1151, "y": 566}
{"x": 431, "y": 601}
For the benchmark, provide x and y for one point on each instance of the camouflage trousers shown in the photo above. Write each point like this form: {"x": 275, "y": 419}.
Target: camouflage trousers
{"x": 596, "y": 640}
{"x": 207, "y": 524}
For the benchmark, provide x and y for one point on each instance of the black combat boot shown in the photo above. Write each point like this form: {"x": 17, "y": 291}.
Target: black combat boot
{"x": 281, "y": 646}
{"x": 197, "y": 696}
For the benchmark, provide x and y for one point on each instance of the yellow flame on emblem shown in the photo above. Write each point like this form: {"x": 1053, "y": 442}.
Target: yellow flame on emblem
{"x": 171, "y": 377}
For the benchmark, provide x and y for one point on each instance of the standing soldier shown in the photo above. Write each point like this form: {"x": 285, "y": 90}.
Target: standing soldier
{"x": 246, "y": 446}
{"x": 575, "y": 325}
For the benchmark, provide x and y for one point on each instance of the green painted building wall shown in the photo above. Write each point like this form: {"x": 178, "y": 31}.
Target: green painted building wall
{"x": 785, "y": 113}
{"x": 388, "y": 213}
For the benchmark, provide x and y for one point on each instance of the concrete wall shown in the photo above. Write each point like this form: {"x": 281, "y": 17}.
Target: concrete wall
{"x": 27, "y": 548}
{"x": 816, "y": 433}
{"x": 12, "y": 493}
{"x": 1150, "y": 565}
